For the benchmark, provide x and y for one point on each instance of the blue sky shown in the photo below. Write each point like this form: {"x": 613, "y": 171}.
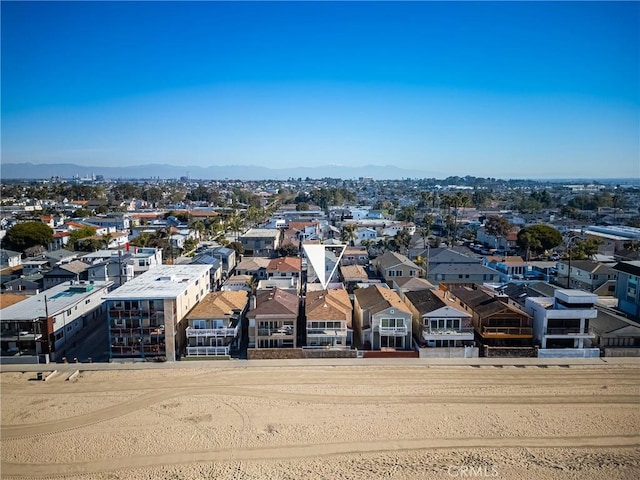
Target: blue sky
{"x": 505, "y": 89}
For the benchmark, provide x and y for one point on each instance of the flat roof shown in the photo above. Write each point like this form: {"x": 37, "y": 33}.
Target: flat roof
{"x": 161, "y": 281}
{"x": 58, "y": 299}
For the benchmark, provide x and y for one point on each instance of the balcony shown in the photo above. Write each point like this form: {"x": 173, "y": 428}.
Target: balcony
{"x": 135, "y": 313}
{"x": 573, "y": 331}
{"x": 327, "y": 332}
{"x": 397, "y": 331}
{"x": 20, "y": 335}
{"x": 212, "y": 332}
{"x": 429, "y": 334}
{"x": 284, "y": 331}
{"x": 207, "y": 351}
{"x": 137, "y": 350}
{"x": 497, "y": 332}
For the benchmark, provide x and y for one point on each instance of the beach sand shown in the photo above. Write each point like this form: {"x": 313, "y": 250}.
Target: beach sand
{"x": 327, "y": 422}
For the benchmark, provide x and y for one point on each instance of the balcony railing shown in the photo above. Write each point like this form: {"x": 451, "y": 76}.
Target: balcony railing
{"x": 136, "y": 350}
{"x": 212, "y": 332}
{"x": 134, "y": 313}
{"x": 136, "y": 331}
{"x": 207, "y": 351}
{"x": 400, "y": 330}
{"x": 525, "y": 331}
{"x": 327, "y": 332}
{"x": 23, "y": 335}
{"x": 284, "y": 331}
{"x": 447, "y": 331}
{"x": 566, "y": 331}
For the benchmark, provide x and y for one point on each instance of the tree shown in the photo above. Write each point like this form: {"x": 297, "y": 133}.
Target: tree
{"x": 425, "y": 230}
{"x": 78, "y": 234}
{"x": 28, "y": 234}
{"x": 82, "y": 212}
{"x": 407, "y": 213}
{"x": 497, "y": 226}
{"x": 402, "y": 239}
{"x": 586, "y": 248}
{"x": 460, "y": 200}
{"x": 348, "y": 233}
{"x": 288, "y": 250}
{"x": 538, "y": 238}
{"x": 105, "y": 239}
{"x": 528, "y": 241}
{"x": 634, "y": 246}
{"x": 238, "y": 247}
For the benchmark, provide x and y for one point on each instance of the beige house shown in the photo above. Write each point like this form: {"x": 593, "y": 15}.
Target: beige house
{"x": 329, "y": 319}
{"x": 381, "y": 319}
{"x": 392, "y": 265}
{"x": 261, "y": 241}
{"x": 215, "y": 324}
{"x": 272, "y": 319}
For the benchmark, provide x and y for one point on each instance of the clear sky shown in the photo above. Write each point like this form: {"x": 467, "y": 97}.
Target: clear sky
{"x": 506, "y": 89}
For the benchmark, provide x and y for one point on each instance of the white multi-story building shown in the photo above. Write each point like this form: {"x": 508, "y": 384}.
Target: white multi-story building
{"x": 561, "y": 323}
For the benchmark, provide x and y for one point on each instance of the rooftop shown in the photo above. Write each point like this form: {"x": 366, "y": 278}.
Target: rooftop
{"x": 52, "y": 301}
{"x": 161, "y": 281}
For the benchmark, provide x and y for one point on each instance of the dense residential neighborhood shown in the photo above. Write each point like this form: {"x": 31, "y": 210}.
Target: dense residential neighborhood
{"x": 152, "y": 270}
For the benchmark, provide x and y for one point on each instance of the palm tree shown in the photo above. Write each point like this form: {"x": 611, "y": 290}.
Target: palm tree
{"x": 425, "y": 231}
{"x": 199, "y": 228}
{"x": 421, "y": 262}
{"x": 235, "y": 224}
{"x": 348, "y": 233}
{"x": 106, "y": 239}
{"x": 460, "y": 200}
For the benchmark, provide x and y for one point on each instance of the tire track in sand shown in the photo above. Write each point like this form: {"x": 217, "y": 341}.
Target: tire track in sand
{"x": 22, "y": 470}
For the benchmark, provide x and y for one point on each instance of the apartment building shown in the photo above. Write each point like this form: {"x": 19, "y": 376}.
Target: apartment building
{"x": 146, "y": 315}
{"x": 47, "y": 323}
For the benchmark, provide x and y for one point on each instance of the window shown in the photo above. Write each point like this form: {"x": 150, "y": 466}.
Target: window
{"x": 199, "y": 324}
{"x": 632, "y": 289}
{"x": 69, "y": 312}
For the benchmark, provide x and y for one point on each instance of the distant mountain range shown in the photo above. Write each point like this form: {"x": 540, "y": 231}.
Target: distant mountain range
{"x": 234, "y": 172}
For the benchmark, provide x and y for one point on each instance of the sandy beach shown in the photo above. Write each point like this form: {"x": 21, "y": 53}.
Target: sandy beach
{"x": 329, "y": 422}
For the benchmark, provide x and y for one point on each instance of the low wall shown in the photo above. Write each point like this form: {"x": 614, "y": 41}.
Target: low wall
{"x": 622, "y": 352}
{"x": 20, "y": 360}
{"x": 391, "y": 354}
{"x": 513, "y": 352}
{"x": 569, "y": 353}
{"x": 297, "y": 353}
{"x": 449, "y": 352}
